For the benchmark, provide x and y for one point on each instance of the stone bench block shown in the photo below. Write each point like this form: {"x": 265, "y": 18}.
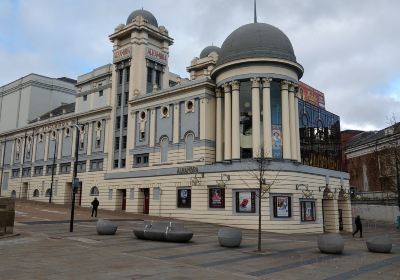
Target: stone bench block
{"x": 105, "y": 227}
{"x": 379, "y": 244}
{"x": 229, "y": 237}
{"x": 331, "y": 243}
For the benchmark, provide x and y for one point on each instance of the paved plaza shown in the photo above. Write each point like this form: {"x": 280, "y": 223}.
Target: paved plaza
{"x": 45, "y": 249}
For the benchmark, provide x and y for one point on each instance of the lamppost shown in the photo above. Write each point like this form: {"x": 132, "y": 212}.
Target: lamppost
{"x": 75, "y": 182}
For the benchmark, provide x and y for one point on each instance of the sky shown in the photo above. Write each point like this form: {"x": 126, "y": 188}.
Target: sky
{"x": 350, "y": 49}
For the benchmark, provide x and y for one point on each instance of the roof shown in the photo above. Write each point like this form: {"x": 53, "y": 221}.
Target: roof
{"x": 372, "y": 136}
{"x": 145, "y": 14}
{"x": 60, "y": 110}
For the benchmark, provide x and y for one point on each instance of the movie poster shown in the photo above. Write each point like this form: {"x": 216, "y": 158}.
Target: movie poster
{"x": 216, "y": 196}
{"x": 282, "y": 206}
{"x": 184, "y": 198}
{"x": 245, "y": 202}
{"x": 276, "y": 141}
{"x": 308, "y": 210}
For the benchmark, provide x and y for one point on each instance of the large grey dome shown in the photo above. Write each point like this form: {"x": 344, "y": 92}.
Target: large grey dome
{"x": 207, "y": 50}
{"x": 256, "y": 40}
{"x": 145, "y": 14}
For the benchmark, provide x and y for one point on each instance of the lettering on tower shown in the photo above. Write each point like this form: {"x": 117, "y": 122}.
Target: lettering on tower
{"x": 156, "y": 55}
{"x": 122, "y": 54}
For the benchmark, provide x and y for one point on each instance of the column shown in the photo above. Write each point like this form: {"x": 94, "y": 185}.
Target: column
{"x": 267, "y": 117}
{"x": 296, "y": 105}
{"x": 121, "y": 122}
{"x": 90, "y": 139}
{"x": 46, "y": 147}
{"x": 60, "y": 143}
{"x": 227, "y": 122}
{"x": 256, "y": 123}
{"x": 285, "y": 120}
{"x": 292, "y": 115}
{"x": 176, "y": 124}
{"x": 202, "y": 117}
{"x": 152, "y": 134}
{"x": 235, "y": 121}
{"x": 34, "y": 142}
{"x": 218, "y": 134}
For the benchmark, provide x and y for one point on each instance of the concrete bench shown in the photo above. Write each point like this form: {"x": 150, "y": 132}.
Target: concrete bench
{"x": 379, "y": 244}
{"x": 105, "y": 227}
{"x": 163, "y": 231}
{"x": 331, "y": 243}
{"x": 229, "y": 237}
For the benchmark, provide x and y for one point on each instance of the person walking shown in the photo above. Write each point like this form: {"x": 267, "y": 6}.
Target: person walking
{"x": 95, "y": 205}
{"x": 358, "y": 226}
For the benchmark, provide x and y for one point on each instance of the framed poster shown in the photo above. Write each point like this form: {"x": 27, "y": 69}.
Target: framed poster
{"x": 216, "y": 198}
{"x": 276, "y": 141}
{"x": 307, "y": 211}
{"x": 184, "y": 199}
{"x": 282, "y": 207}
{"x": 246, "y": 202}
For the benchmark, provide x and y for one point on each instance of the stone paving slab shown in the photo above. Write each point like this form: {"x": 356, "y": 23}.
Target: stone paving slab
{"x": 45, "y": 249}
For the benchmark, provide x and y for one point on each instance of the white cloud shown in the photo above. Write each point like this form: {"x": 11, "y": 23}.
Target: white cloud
{"x": 349, "y": 49}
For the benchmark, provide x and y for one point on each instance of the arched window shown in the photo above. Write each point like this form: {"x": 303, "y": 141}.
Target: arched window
{"x": 189, "y": 146}
{"x": 94, "y": 191}
{"x": 164, "y": 149}
{"x": 14, "y": 194}
{"x": 48, "y": 192}
{"x": 36, "y": 193}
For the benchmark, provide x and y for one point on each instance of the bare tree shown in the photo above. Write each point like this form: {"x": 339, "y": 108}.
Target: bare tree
{"x": 257, "y": 170}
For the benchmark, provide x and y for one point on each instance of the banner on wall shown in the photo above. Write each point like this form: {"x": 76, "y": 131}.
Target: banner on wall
{"x": 311, "y": 95}
{"x": 276, "y": 141}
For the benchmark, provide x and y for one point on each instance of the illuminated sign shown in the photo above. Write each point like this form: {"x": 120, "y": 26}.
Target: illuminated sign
{"x": 156, "y": 55}
{"x": 311, "y": 95}
{"x": 122, "y": 54}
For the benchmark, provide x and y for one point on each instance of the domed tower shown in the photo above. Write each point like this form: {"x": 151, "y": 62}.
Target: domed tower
{"x": 140, "y": 57}
{"x": 202, "y": 67}
{"x": 256, "y": 76}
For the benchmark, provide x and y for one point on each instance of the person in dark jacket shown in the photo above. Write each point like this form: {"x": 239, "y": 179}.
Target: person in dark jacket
{"x": 358, "y": 226}
{"x": 95, "y": 205}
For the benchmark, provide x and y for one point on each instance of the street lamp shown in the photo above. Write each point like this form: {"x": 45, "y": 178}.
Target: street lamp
{"x": 75, "y": 182}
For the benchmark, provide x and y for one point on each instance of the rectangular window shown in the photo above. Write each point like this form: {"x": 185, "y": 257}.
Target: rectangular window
{"x": 142, "y": 136}
{"x": 119, "y": 100}
{"x": 158, "y": 79}
{"x": 98, "y": 143}
{"x": 82, "y": 145}
{"x": 81, "y": 166}
{"x": 282, "y": 206}
{"x": 49, "y": 169}
{"x": 307, "y": 208}
{"x": 118, "y": 122}
{"x": 149, "y": 75}
{"x": 115, "y": 163}
{"x": 246, "y": 202}
{"x": 141, "y": 160}
{"x": 216, "y": 198}
{"x": 184, "y": 198}
{"x": 123, "y": 163}
{"x": 100, "y": 93}
{"x": 120, "y": 76}
{"x": 128, "y": 69}
{"x": 124, "y": 142}
{"x": 38, "y": 171}
{"x": 65, "y": 168}
{"x": 116, "y": 144}
{"x": 126, "y": 96}
{"x": 96, "y": 165}
{"x": 85, "y": 97}
{"x": 125, "y": 121}
{"x": 15, "y": 173}
{"x": 26, "y": 172}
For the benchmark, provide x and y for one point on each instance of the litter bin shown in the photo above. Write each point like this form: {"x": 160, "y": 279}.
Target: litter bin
{"x": 7, "y": 215}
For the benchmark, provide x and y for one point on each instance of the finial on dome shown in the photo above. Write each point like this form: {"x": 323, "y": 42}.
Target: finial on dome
{"x": 255, "y": 11}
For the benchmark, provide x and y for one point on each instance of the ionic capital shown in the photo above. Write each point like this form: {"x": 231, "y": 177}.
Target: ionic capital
{"x": 255, "y": 82}
{"x": 235, "y": 85}
{"x": 266, "y": 82}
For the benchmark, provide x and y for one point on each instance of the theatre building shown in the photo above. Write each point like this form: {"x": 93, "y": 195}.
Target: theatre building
{"x": 152, "y": 142}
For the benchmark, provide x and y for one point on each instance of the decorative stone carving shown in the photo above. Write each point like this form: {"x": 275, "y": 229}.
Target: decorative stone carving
{"x": 235, "y": 85}
{"x": 255, "y": 82}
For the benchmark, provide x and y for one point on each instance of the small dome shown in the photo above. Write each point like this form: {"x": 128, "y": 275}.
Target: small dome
{"x": 145, "y": 14}
{"x": 207, "y": 50}
{"x": 256, "y": 40}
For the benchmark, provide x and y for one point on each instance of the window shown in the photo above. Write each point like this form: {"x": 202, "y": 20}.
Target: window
{"x": 26, "y": 172}
{"x": 120, "y": 73}
{"x": 189, "y": 146}
{"x": 158, "y": 79}
{"x": 282, "y": 206}
{"x": 81, "y": 145}
{"x": 115, "y": 163}
{"x": 118, "y": 122}
{"x": 100, "y": 93}
{"x": 141, "y": 160}
{"x": 119, "y": 99}
{"x": 116, "y": 144}
{"x": 142, "y": 136}
{"x": 184, "y": 199}
{"x": 81, "y": 166}
{"x": 126, "y": 96}
{"x": 246, "y": 202}
{"x": 36, "y": 193}
{"x": 124, "y": 142}
{"x": 85, "y": 97}
{"x": 65, "y": 168}
{"x": 38, "y": 171}
{"x": 48, "y": 193}
{"x": 98, "y": 143}
{"x": 149, "y": 75}
{"x": 164, "y": 149}
{"x": 128, "y": 69}
{"x": 123, "y": 163}
{"x": 307, "y": 209}
{"x": 96, "y": 165}
{"x": 125, "y": 121}
{"x": 15, "y": 173}
{"x": 94, "y": 191}
{"x": 216, "y": 198}
{"x": 49, "y": 169}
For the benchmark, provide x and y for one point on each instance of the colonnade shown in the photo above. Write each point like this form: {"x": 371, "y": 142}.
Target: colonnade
{"x": 228, "y": 120}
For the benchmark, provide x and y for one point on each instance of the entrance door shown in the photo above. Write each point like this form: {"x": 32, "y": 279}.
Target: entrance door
{"x": 123, "y": 199}
{"x": 146, "y": 195}
{"x": 24, "y": 193}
